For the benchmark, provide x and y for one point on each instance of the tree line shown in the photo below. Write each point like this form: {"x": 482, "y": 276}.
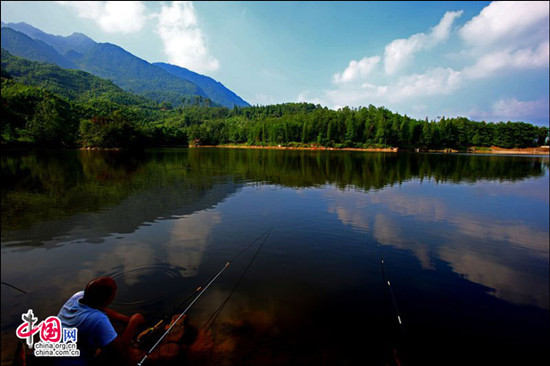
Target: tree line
{"x": 44, "y": 105}
{"x": 363, "y": 127}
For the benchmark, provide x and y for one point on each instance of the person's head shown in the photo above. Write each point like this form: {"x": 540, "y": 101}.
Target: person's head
{"x": 100, "y": 292}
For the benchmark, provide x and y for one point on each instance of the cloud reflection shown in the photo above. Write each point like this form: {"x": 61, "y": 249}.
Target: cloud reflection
{"x": 124, "y": 256}
{"x": 509, "y": 284}
{"x": 387, "y": 232}
{"x": 188, "y": 240}
{"x": 488, "y": 251}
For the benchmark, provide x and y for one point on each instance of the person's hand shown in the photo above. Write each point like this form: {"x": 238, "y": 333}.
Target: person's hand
{"x": 135, "y": 322}
{"x": 138, "y": 319}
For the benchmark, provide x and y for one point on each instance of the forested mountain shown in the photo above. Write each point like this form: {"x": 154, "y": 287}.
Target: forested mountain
{"x": 215, "y": 90}
{"x": 45, "y": 105}
{"x": 133, "y": 74}
{"x": 74, "y": 85}
{"x": 111, "y": 62}
{"x": 22, "y": 45}
{"x": 76, "y": 42}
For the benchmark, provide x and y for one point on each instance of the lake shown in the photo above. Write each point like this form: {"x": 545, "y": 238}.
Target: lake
{"x": 462, "y": 239}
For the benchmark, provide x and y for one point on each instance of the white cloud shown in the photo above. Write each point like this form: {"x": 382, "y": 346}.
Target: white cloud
{"x": 512, "y": 109}
{"x": 507, "y": 36}
{"x": 111, "y": 16}
{"x": 263, "y": 99}
{"x": 400, "y": 51}
{"x": 507, "y": 23}
{"x": 304, "y": 97}
{"x": 442, "y": 31}
{"x": 356, "y": 70}
{"x": 504, "y": 38}
{"x": 354, "y": 95}
{"x": 183, "y": 39}
{"x": 525, "y": 58}
{"x": 433, "y": 82}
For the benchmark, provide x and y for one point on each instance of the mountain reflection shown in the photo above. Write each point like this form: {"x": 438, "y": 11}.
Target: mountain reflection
{"x": 92, "y": 194}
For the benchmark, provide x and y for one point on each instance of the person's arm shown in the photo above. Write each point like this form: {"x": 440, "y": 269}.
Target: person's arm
{"x": 116, "y": 316}
{"x": 134, "y": 322}
{"x": 123, "y": 340}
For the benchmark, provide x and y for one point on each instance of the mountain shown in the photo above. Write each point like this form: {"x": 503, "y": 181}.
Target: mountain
{"x": 214, "y": 90}
{"x": 74, "y": 85}
{"x": 22, "y": 45}
{"x": 75, "y": 42}
{"x": 105, "y": 60}
{"x": 159, "y": 82}
{"x": 133, "y": 74}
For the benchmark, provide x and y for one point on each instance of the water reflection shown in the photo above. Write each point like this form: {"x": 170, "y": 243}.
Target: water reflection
{"x": 503, "y": 253}
{"x": 150, "y": 265}
{"x": 108, "y": 202}
{"x": 41, "y": 187}
{"x": 163, "y": 221}
{"x": 188, "y": 240}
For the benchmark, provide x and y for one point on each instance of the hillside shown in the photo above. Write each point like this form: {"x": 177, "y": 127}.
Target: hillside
{"x": 74, "y": 85}
{"x": 133, "y": 74}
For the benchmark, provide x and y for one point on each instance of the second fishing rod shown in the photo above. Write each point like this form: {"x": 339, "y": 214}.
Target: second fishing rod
{"x": 201, "y": 289}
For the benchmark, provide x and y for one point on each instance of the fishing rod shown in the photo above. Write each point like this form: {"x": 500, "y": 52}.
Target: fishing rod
{"x": 201, "y": 289}
{"x": 183, "y": 313}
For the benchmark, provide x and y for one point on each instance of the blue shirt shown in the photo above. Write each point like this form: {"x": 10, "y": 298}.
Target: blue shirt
{"x": 94, "y": 329}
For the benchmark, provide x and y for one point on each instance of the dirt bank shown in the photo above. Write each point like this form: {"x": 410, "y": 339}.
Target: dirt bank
{"x": 280, "y": 147}
{"x": 542, "y": 150}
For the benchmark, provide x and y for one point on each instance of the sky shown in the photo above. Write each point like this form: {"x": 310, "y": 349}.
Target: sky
{"x": 487, "y": 61}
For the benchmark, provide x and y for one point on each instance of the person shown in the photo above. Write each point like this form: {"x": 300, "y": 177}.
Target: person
{"x": 97, "y": 339}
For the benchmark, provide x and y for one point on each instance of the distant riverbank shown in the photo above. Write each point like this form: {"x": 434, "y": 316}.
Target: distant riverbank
{"x": 541, "y": 150}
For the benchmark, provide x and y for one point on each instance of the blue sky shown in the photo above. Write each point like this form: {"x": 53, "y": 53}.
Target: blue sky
{"x": 482, "y": 60}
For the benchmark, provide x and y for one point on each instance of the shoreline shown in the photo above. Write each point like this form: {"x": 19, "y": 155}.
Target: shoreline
{"x": 493, "y": 150}
{"x": 315, "y": 148}
{"x": 541, "y": 150}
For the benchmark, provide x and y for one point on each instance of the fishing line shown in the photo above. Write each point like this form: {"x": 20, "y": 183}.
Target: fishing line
{"x": 201, "y": 289}
{"x": 388, "y": 283}
{"x": 212, "y": 319}
{"x": 190, "y": 296}
{"x": 14, "y": 287}
{"x": 398, "y": 317}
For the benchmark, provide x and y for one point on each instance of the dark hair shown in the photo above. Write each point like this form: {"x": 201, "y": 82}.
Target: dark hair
{"x": 99, "y": 292}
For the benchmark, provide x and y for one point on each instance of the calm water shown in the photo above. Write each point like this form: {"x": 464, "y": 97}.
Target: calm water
{"x": 464, "y": 241}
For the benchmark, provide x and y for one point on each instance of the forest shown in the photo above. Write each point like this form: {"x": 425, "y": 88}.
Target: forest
{"x": 43, "y": 105}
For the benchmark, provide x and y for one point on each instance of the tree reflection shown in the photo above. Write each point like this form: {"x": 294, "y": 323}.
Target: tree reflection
{"x": 40, "y": 186}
